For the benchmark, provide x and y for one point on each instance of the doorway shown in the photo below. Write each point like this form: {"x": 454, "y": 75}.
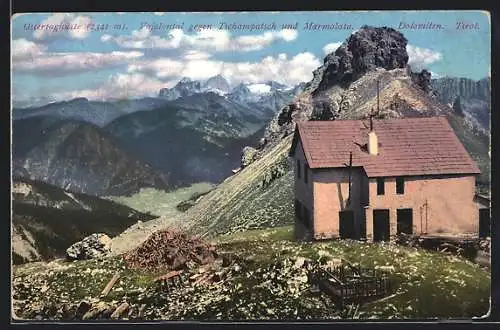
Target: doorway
{"x": 405, "y": 221}
{"x": 346, "y": 224}
{"x": 484, "y": 223}
{"x": 381, "y": 229}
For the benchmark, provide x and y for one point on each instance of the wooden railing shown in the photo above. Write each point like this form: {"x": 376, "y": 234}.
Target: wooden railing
{"x": 350, "y": 284}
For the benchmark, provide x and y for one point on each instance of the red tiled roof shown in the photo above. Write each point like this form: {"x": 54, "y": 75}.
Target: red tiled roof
{"x": 409, "y": 146}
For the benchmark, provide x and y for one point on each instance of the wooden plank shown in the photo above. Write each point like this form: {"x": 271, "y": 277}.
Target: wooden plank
{"x": 169, "y": 275}
{"x": 120, "y": 310}
{"x": 110, "y": 284}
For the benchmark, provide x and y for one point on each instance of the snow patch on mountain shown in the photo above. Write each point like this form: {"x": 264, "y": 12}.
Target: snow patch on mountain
{"x": 259, "y": 88}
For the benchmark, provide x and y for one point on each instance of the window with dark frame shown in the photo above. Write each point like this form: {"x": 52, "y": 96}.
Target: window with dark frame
{"x": 298, "y": 169}
{"x": 400, "y": 185}
{"x": 306, "y": 172}
{"x": 380, "y": 186}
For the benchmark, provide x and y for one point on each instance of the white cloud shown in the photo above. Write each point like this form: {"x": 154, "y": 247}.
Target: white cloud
{"x": 22, "y": 48}
{"x": 288, "y": 34}
{"x": 105, "y": 37}
{"x": 280, "y": 68}
{"x": 420, "y": 58}
{"x": 117, "y": 87}
{"x": 62, "y": 63}
{"x": 210, "y": 40}
{"x": 196, "y": 55}
{"x": 81, "y": 33}
{"x": 159, "y": 13}
{"x": 55, "y": 21}
{"x": 331, "y": 47}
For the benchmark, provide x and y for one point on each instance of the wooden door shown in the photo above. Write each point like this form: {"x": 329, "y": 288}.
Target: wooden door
{"x": 346, "y": 224}
{"x": 381, "y": 229}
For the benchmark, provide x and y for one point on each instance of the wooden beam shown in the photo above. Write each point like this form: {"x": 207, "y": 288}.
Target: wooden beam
{"x": 110, "y": 284}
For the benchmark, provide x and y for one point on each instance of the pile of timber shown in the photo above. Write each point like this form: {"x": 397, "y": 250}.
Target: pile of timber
{"x": 461, "y": 246}
{"x": 171, "y": 279}
{"x": 170, "y": 250}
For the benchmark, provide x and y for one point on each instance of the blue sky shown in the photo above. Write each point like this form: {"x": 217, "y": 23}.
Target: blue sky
{"x": 106, "y": 62}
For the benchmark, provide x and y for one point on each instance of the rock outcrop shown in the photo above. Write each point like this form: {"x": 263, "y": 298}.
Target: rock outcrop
{"x": 91, "y": 247}
{"x": 423, "y": 80}
{"x": 248, "y": 156}
{"x": 365, "y": 50}
{"x": 457, "y": 106}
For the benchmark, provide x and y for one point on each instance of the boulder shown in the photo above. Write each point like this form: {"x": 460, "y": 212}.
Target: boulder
{"x": 93, "y": 246}
{"x": 248, "y": 156}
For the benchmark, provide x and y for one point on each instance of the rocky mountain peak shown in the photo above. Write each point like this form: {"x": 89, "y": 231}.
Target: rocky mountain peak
{"x": 188, "y": 83}
{"x": 185, "y": 80}
{"x": 80, "y": 99}
{"x": 365, "y": 50}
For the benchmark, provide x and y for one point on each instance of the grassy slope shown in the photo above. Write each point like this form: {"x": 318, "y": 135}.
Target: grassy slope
{"x": 161, "y": 203}
{"x": 426, "y": 284}
{"x": 242, "y": 202}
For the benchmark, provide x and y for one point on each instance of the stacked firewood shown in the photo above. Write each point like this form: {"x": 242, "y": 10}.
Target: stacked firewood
{"x": 171, "y": 250}
{"x": 466, "y": 247}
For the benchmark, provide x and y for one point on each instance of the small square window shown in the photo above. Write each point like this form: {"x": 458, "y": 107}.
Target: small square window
{"x": 380, "y": 186}
{"x": 400, "y": 185}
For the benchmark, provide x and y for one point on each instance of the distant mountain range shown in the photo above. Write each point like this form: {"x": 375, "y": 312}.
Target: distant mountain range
{"x": 116, "y": 147}
{"x": 268, "y": 96}
{"x": 194, "y": 138}
{"x": 78, "y": 156}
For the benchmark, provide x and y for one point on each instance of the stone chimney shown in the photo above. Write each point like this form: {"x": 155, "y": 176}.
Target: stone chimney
{"x": 372, "y": 139}
{"x": 372, "y": 143}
